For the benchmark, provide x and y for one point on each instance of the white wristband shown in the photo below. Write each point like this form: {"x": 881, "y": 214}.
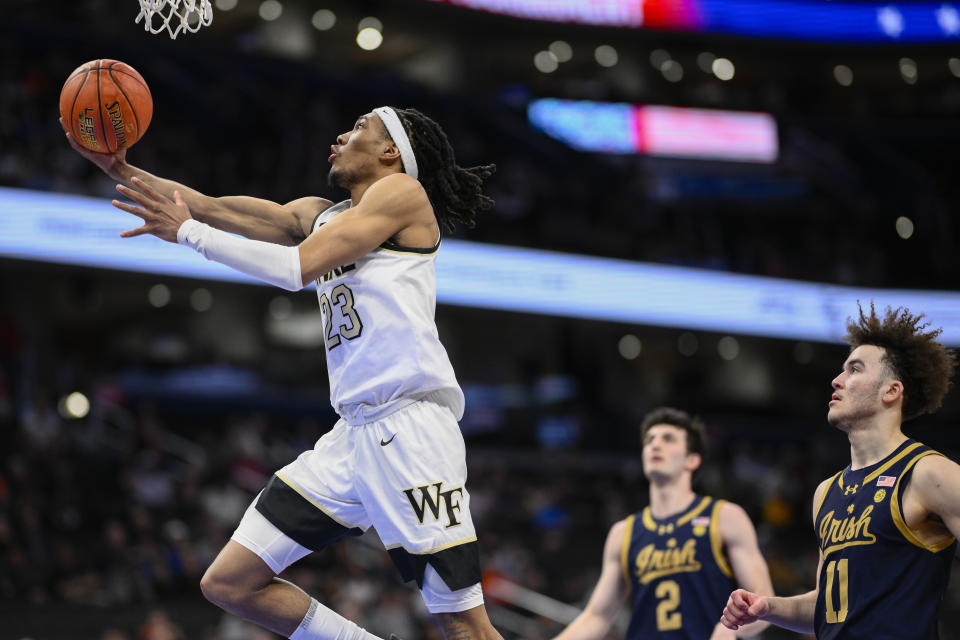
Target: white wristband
{"x": 271, "y": 263}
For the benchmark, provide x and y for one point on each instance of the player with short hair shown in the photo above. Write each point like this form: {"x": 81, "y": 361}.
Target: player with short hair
{"x": 887, "y": 523}
{"x": 395, "y": 460}
{"x": 678, "y": 558}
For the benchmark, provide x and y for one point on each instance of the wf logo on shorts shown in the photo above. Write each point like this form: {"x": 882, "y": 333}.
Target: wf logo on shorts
{"x": 433, "y": 497}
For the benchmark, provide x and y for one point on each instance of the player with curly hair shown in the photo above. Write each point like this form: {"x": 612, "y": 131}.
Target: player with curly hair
{"x": 887, "y": 524}
{"x": 395, "y": 460}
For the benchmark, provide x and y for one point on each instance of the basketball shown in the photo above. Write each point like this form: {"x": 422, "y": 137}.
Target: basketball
{"x": 106, "y": 105}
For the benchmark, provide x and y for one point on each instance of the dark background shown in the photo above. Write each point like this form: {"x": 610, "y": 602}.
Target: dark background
{"x": 107, "y": 523}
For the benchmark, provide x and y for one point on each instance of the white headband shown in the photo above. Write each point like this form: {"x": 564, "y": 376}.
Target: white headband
{"x": 395, "y": 128}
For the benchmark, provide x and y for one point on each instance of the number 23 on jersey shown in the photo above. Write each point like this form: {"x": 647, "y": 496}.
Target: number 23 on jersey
{"x": 341, "y": 299}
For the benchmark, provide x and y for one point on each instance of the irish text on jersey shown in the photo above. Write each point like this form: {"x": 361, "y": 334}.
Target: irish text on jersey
{"x": 652, "y": 563}
{"x": 848, "y": 530}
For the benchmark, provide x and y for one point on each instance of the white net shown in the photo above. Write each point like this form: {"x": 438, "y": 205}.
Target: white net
{"x": 175, "y": 15}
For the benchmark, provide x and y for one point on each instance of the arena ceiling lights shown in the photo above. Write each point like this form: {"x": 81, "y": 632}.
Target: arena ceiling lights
{"x": 869, "y": 21}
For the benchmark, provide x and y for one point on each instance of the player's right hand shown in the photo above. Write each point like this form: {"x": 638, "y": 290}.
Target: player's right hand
{"x": 744, "y": 607}
{"x": 106, "y": 161}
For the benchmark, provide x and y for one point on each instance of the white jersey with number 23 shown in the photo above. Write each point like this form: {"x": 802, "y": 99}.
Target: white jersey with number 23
{"x": 383, "y": 350}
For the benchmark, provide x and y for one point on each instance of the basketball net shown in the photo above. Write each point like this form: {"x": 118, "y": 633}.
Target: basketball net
{"x": 175, "y": 15}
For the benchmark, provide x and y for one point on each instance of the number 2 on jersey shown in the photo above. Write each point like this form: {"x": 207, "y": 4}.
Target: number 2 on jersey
{"x": 668, "y": 618}
{"x": 342, "y": 297}
{"x": 843, "y": 585}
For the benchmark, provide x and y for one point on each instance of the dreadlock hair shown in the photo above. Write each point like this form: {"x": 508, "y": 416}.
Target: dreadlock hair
{"x": 912, "y": 354}
{"x": 455, "y": 192}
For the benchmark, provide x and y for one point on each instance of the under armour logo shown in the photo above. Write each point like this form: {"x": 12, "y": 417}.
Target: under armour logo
{"x": 850, "y": 489}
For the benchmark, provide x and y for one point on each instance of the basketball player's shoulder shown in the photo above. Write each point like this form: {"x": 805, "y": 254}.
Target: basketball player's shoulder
{"x": 620, "y": 526}
{"x": 732, "y": 518}
{"x": 400, "y": 196}
{"x": 306, "y": 210}
{"x": 620, "y": 531}
{"x": 821, "y": 493}
{"x": 935, "y": 483}
{"x": 399, "y": 181}
{"x": 824, "y": 485}
{"x": 727, "y": 509}
{"x": 934, "y": 470}
{"x": 933, "y": 461}
{"x": 402, "y": 187}
{"x": 308, "y": 206}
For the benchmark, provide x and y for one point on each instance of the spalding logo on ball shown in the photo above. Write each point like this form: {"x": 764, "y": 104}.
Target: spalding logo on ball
{"x": 106, "y": 105}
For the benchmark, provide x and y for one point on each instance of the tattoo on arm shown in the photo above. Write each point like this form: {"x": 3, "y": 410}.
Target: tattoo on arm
{"x": 455, "y": 626}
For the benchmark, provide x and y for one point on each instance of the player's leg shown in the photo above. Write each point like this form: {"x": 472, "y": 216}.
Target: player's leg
{"x": 460, "y": 613}
{"x": 307, "y": 506}
{"x": 241, "y": 583}
{"x": 414, "y": 491}
{"x": 472, "y": 624}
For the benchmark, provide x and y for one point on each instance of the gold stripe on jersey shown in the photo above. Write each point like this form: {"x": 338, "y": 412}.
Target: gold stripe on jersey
{"x": 648, "y": 520}
{"x": 306, "y": 496}
{"x": 716, "y": 540}
{"x": 693, "y": 513}
{"x": 823, "y": 497}
{"x": 852, "y": 543}
{"x": 890, "y": 463}
{"x": 625, "y": 547}
{"x": 652, "y": 525}
{"x": 898, "y": 516}
{"x": 448, "y": 545}
{"x": 650, "y": 576}
{"x": 886, "y": 465}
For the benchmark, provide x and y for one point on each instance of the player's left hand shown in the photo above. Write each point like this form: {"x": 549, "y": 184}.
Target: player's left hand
{"x": 744, "y": 607}
{"x": 161, "y": 216}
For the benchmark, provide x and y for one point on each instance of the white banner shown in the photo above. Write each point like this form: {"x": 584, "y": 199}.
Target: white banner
{"x": 84, "y": 231}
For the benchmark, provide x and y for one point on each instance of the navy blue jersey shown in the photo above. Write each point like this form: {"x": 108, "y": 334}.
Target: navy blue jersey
{"x": 678, "y": 574}
{"x": 878, "y": 580}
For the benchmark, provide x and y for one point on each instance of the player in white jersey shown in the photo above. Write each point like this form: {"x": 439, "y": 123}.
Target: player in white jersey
{"x": 396, "y": 286}
{"x": 395, "y": 460}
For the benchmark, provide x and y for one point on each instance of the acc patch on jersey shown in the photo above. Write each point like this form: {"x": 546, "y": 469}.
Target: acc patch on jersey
{"x": 700, "y": 525}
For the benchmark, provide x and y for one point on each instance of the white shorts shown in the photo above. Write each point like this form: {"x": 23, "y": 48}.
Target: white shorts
{"x": 404, "y": 475}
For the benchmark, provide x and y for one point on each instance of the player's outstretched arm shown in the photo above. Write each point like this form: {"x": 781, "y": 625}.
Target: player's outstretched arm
{"x": 607, "y": 596}
{"x": 250, "y": 217}
{"x": 388, "y": 207}
{"x": 795, "y": 613}
{"x": 749, "y": 568}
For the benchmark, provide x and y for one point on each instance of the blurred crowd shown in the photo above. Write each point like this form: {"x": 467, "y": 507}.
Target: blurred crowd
{"x": 120, "y": 512}
{"x": 127, "y": 507}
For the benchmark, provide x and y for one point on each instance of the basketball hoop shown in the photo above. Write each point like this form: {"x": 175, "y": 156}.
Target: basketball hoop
{"x": 175, "y": 15}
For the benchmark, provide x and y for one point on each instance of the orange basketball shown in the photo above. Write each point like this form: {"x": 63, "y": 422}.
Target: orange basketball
{"x": 106, "y": 105}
